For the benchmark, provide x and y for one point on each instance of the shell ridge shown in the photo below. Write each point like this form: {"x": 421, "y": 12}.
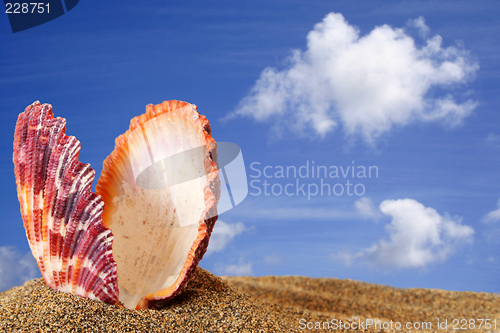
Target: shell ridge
{"x": 85, "y": 243}
{"x": 40, "y": 233}
{"x": 73, "y": 232}
{"x": 58, "y": 128}
{"x": 90, "y": 273}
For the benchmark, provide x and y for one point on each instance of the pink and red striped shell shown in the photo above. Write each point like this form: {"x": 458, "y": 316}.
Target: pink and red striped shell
{"x": 138, "y": 244}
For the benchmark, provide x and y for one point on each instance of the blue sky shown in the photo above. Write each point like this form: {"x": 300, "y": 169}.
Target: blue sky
{"x": 410, "y": 88}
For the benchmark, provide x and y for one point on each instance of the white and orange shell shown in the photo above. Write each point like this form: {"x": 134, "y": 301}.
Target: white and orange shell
{"x": 159, "y": 190}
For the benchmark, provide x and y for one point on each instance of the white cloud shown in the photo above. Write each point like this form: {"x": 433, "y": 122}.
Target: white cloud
{"x": 15, "y": 268}
{"x": 222, "y": 234}
{"x": 494, "y": 215}
{"x": 344, "y": 256}
{"x": 240, "y": 269}
{"x": 367, "y": 84}
{"x": 492, "y": 232}
{"x": 418, "y": 236}
{"x": 366, "y": 208}
{"x": 419, "y": 23}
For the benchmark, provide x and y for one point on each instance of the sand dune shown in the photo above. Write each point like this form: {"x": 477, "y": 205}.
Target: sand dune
{"x": 247, "y": 304}
{"x": 334, "y": 298}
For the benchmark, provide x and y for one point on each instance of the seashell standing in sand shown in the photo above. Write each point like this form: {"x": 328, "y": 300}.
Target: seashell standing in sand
{"x": 62, "y": 217}
{"x": 159, "y": 190}
{"x": 161, "y": 231}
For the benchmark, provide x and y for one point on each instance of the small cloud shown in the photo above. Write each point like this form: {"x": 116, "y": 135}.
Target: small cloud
{"x": 222, "y": 234}
{"x": 492, "y": 232}
{"x": 491, "y": 259}
{"x": 364, "y": 84}
{"x": 240, "y": 269}
{"x": 419, "y": 23}
{"x": 272, "y": 260}
{"x": 493, "y": 216}
{"x": 418, "y": 236}
{"x": 16, "y": 268}
{"x": 493, "y": 141}
{"x": 366, "y": 208}
{"x": 346, "y": 257}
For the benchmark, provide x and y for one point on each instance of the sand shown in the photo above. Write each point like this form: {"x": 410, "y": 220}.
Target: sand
{"x": 336, "y": 298}
{"x": 244, "y": 304}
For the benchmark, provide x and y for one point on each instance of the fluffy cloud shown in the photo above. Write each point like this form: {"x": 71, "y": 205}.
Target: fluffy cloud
{"x": 240, "y": 269}
{"x": 222, "y": 234}
{"x": 367, "y": 84}
{"x": 493, "y": 216}
{"x": 418, "y": 235}
{"x": 366, "y": 208}
{"x": 419, "y": 23}
{"x": 15, "y": 268}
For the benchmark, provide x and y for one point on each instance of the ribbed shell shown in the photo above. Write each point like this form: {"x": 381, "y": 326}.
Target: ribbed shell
{"x": 62, "y": 216}
{"x": 161, "y": 227}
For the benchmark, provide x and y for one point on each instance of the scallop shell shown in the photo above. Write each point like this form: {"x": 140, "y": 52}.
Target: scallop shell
{"x": 62, "y": 217}
{"x": 160, "y": 188}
